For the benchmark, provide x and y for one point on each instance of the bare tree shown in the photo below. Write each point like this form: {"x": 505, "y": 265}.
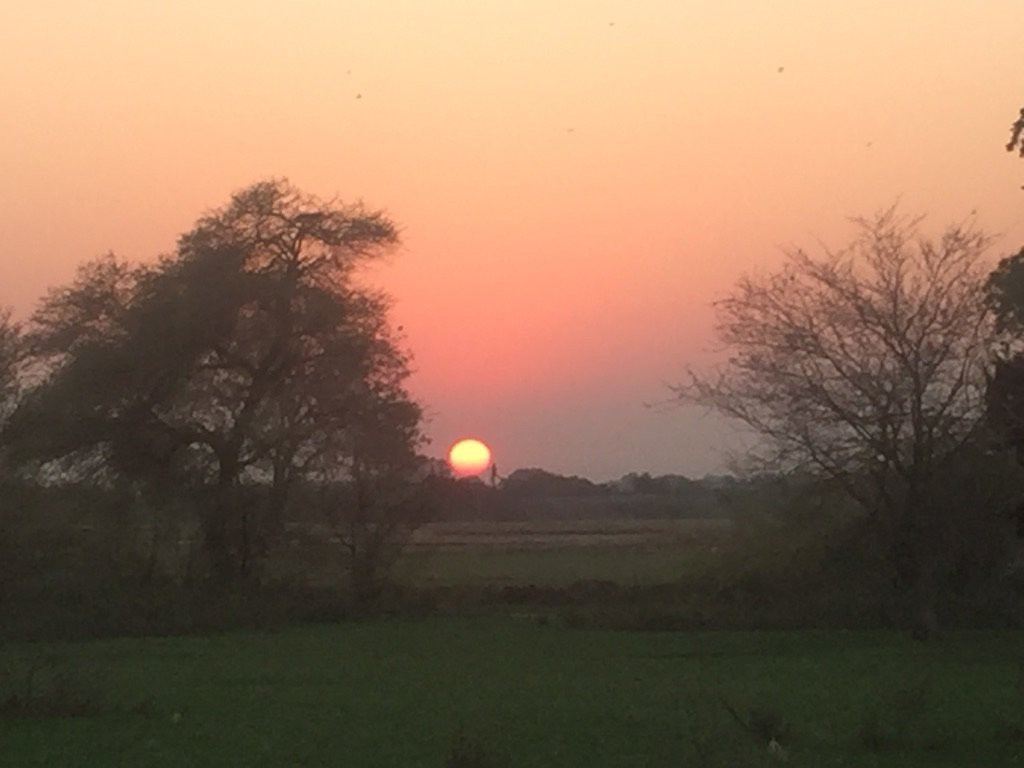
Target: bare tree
{"x": 867, "y": 365}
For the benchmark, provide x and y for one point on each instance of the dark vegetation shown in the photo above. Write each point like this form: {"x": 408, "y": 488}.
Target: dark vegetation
{"x": 869, "y": 367}
{"x": 501, "y": 692}
{"x": 224, "y": 438}
{"x": 770, "y": 552}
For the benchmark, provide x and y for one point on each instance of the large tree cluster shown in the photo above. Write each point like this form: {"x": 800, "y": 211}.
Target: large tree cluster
{"x": 247, "y": 361}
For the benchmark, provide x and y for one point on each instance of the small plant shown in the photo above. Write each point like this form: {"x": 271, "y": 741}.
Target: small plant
{"x": 768, "y": 726}
{"x": 888, "y": 726}
{"x": 874, "y": 736}
{"x": 712, "y": 734}
{"x": 765, "y": 725}
{"x": 468, "y": 752}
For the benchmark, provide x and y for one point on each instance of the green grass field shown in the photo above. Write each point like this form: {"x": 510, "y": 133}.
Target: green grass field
{"x": 399, "y": 692}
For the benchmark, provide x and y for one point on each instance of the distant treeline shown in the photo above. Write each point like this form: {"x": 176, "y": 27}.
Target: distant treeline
{"x": 536, "y": 493}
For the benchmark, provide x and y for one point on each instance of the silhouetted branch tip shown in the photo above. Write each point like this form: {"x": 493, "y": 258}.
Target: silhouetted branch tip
{"x": 1016, "y": 132}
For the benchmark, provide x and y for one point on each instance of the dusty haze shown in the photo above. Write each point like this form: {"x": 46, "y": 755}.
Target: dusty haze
{"x": 575, "y": 185}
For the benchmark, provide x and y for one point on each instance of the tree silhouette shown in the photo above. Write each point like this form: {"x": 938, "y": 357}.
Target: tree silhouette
{"x": 10, "y": 356}
{"x": 866, "y": 365}
{"x": 1017, "y": 135}
{"x": 247, "y": 359}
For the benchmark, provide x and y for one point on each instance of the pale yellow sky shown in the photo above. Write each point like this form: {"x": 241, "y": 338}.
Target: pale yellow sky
{"x": 576, "y": 181}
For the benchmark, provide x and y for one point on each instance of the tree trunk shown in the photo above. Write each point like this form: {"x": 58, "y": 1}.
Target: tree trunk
{"x": 924, "y": 620}
{"x": 915, "y": 576}
{"x": 215, "y": 541}
{"x": 217, "y": 522}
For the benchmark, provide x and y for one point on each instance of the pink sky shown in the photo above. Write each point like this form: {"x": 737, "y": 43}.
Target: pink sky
{"x": 575, "y": 181}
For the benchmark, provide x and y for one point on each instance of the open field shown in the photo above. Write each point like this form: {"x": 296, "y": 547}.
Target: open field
{"x": 397, "y": 693}
{"x": 548, "y": 534}
{"x": 559, "y": 552}
{"x": 547, "y": 553}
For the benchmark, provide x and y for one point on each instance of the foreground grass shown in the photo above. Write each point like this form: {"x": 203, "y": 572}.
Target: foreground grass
{"x": 401, "y": 692}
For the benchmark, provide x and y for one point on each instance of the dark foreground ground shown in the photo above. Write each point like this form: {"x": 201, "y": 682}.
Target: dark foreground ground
{"x": 504, "y": 691}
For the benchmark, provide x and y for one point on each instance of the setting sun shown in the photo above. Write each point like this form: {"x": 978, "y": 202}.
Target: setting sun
{"x": 469, "y": 457}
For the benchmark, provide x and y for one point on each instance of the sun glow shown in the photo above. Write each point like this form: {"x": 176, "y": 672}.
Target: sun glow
{"x": 469, "y": 457}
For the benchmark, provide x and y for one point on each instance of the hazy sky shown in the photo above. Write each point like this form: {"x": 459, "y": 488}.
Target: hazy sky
{"x": 576, "y": 181}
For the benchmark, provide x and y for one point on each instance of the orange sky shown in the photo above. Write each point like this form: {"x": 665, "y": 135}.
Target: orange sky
{"x": 576, "y": 181}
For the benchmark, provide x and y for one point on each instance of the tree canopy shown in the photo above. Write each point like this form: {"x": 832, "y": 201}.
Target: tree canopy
{"x": 251, "y": 355}
{"x": 10, "y": 355}
{"x": 867, "y": 365}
